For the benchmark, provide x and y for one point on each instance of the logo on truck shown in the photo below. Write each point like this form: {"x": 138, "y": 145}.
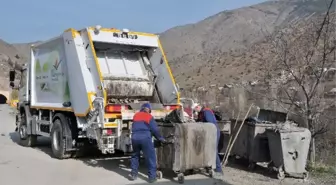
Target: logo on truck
{"x": 50, "y": 74}
{"x": 125, "y": 35}
{"x": 57, "y": 63}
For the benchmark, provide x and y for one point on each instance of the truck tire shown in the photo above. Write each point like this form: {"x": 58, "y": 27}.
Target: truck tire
{"x": 25, "y": 139}
{"x": 58, "y": 138}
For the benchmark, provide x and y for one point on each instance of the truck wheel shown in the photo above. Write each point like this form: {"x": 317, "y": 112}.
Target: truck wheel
{"x": 305, "y": 176}
{"x": 281, "y": 173}
{"x": 58, "y": 145}
{"x": 159, "y": 174}
{"x": 180, "y": 178}
{"x": 211, "y": 173}
{"x": 25, "y": 139}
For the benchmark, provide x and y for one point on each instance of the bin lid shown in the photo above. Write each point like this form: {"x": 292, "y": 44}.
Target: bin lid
{"x": 297, "y": 129}
{"x": 262, "y": 124}
{"x": 286, "y": 129}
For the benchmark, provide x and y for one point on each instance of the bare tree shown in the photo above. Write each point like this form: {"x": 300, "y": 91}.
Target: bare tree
{"x": 295, "y": 62}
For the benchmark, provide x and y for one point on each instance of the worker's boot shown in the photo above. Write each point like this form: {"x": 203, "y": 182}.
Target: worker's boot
{"x": 219, "y": 175}
{"x": 133, "y": 177}
{"x": 152, "y": 180}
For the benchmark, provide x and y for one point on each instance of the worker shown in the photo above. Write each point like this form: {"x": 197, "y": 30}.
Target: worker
{"x": 143, "y": 127}
{"x": 207, "y": 115}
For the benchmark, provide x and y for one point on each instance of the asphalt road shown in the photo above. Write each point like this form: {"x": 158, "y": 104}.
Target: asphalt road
{"x": 34, "y": 166}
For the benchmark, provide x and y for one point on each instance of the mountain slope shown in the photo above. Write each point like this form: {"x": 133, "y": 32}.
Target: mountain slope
{"x": 207, "y": 52}
{"x": 210, "y": 44}
{"x": 10, "y": 53}
{"x": 24, "y": 49}
{"x": 7, "y": 51}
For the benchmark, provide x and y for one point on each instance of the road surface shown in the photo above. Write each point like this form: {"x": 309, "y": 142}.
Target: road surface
{"x": 34, "y": 166}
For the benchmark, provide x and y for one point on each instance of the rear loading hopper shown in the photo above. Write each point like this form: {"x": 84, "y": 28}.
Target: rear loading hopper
{"x": 126, "y": 71}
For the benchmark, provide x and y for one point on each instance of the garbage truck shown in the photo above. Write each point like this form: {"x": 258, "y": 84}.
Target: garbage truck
{"x": 83, "y": 87}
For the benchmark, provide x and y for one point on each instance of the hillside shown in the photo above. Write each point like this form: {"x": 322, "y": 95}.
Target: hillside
{"x": 8, "y": 51}
{"x": 210, "y": 51}
{"x": 24, "y": 49}
{"x": 211, "y": 46}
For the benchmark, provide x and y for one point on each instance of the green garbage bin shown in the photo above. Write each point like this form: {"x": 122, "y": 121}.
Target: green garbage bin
{"x": 289, "y": 151}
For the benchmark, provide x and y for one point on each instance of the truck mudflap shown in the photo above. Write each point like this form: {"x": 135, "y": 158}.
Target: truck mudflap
{"x": 68, "y": 138}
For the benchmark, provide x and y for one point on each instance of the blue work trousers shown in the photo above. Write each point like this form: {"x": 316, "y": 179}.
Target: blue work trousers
{"x": 144, "y": 144}
{"x": 218, "y": 161}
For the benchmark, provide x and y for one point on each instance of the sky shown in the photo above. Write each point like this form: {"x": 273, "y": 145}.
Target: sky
{"x": 35, "y": 20}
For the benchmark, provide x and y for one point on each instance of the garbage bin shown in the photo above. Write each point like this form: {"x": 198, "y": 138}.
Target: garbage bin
{"x": 252, "y": 142}
{"x": 289, "y": 151}
{"x": 257, "y": 143}
{"x": 224, "y": 127}
{"x": 240, "y": 146}
{"x": 194, "y": 147}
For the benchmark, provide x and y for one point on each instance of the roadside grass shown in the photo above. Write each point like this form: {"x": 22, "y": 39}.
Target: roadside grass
{"x": 321, "y": 170}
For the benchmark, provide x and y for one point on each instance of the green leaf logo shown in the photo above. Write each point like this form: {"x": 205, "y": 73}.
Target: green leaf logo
{"x": 45, "y": 67}
{"x": 37, "y": 66}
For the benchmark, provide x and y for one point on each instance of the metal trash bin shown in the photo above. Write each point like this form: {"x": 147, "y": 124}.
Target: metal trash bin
{"x": 224, "y": 127}
{"x": 194, "y": 147}
{"x": 257, "y": 146}
{"x": 240, "y": 146}
{"x": 289, "y": 151}
{"x": 252, "y": 142}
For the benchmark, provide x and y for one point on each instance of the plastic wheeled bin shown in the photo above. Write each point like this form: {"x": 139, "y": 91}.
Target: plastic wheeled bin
{"x": 289, "y": 151}
{"x": 193, "y": 147}
{"x": 252, "y": 142}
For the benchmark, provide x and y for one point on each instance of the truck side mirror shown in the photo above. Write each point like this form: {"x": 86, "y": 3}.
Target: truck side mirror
{"x": 12, "y": 75}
